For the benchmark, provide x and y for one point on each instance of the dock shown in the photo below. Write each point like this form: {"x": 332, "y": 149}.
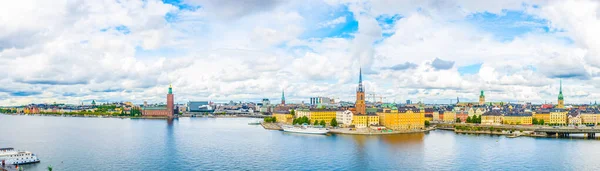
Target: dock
{"x": 271, "y": 126}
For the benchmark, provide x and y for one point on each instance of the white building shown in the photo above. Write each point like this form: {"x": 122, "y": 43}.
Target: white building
{"x": 344, "y": 117}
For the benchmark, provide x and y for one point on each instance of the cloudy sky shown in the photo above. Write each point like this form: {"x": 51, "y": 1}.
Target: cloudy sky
{"x": 129, "y": 50}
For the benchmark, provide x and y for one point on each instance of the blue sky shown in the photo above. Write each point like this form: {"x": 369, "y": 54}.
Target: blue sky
{"x": 222, "y": 50}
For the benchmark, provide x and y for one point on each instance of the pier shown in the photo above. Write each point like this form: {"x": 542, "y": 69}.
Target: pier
{"x": 565, "y": 132}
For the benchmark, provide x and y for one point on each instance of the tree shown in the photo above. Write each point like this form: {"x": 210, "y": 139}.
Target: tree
{"x": 457, "y": 120}
{"x": 333, "y": 122}
{"x": 267, "y": 119}
{"x": 534, "y": 121}
{"x": 293, "y": 112}
{"x": 273, "y": 119}
{"x": 316, "y": 122}
{"x": 323, "y": 123}
{"x": 427, "y": 123}
{"x": 469, "y": 119}
{"x": 541, "y": 122}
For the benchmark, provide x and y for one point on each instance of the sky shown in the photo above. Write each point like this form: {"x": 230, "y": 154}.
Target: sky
{"x": 433, "y": 51}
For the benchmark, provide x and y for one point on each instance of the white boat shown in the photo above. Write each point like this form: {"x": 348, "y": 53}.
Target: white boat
{"x": 11, "y": 156}
{"x": 305, "y": 129}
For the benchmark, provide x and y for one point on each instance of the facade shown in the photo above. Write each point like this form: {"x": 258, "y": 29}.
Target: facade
{"x": 542, "y": 115}
{"x": 283, "y": 117}
{"x": 481, "y": 98}
{"x": 317, "y": 114}
{"x": 449, "y": 116}
{"x": 402, "y": 119}
{"x": 574, "y": 118}
{"x": 558, "y": 117}
{"x": 321, "y": 100}
{"x": 518, "y": 119}
{"x": 590, "y": 117}
{"x": 359, "y": 121}
{"x": 161, "y": 111}
{"x": 462, "y": 115}
{"x": 436, "y": 115}
{"x": 344, "y": 117}
{"x": 493, "y": 117}
{"x": 199, "y": 106}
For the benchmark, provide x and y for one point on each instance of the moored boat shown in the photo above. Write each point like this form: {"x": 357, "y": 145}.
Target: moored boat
{"x": 10, "y": 156}
{"x": 306, "y": 129}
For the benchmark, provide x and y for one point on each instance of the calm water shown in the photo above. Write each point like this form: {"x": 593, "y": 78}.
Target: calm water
{"x": 231, "y": 144}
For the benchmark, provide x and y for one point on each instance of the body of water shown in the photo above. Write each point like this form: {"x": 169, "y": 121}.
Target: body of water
{"x": 69, "y": 143}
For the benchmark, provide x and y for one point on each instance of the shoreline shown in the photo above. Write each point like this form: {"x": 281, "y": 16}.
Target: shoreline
{"x": 130, "y": 117}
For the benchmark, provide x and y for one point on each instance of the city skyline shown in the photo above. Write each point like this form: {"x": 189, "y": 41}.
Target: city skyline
{"x": 430, "y": 50}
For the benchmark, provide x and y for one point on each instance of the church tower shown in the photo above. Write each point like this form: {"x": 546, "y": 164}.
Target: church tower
{"x": 282, "y": 97}
{"x": 561, "y": 100}
{"x": 360, "y": 105}
{"x": 481, "y": 98}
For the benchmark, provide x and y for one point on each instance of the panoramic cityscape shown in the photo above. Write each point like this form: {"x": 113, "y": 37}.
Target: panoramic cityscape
{"x": 299, "y": 85}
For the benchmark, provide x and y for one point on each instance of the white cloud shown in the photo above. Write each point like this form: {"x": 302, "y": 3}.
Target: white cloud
{"x": 72, "y": 51}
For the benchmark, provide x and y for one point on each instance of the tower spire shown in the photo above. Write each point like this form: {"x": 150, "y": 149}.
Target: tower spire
{"x": 360, "y": 85}
{"x": 282, "y": 97}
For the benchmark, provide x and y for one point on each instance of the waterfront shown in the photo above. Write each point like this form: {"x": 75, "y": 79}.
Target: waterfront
{"x": 72, "y": 143}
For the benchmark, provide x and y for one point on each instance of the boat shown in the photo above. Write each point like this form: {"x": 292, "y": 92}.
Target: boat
{"x": 254, "y": 123}
{"x": 10, "y": 156}
{"x": 305, "y": 129}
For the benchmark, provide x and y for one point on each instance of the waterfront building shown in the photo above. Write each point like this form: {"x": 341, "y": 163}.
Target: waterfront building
{"x": 542, "y": 115}
{"x": 449, "y": 116}
{"x": 200, "y": 106}
{"x": 436, "y": 115}
{"x": 166, "y": 111}
{"x": 462, "y": 115}
{"x": 317, "y": 114}
{"x": 476, "y": 111}
{"x": 590, "y": 117}
{"x": 321, "y": 100}
{"x": 406, "y": 118}
{"x": 429, "y": 114}
{"x": 517, "y": 119}
{"x": 481, "y": 98}
{"x": 574, "y": 117}
{"x": 284, "y": 117}
{"x": 344, "y": 117}
{"x": 493, "y": 117}
{"x": 561, "y": 100}
{"x": 558, "y": 117}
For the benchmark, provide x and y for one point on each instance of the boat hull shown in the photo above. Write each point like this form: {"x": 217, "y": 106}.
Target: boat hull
{"x": 306, "y": 131}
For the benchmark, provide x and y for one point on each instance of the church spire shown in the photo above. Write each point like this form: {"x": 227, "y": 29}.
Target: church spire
{"x": 360, "y": 85}
{"x": 282, "y": 97}
{"x": 560, "y": 94}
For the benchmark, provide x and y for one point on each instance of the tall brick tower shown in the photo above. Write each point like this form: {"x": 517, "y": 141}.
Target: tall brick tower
{"x": 361, "y": 107}
{"x": 170, "y": 105}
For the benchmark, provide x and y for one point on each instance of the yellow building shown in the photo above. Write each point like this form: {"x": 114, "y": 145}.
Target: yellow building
{"x": 283, "y": 117}
{"x": 517, "y": 119}
{"x": 493, "y": 117}
{"x": 558, "y": 117}
{"x": 403, "y": 118}
{"x": 360, "y": 121}
{"x": 542, "y": 115}
{"x": 317, "y": 114}
{"x": 449, "y": 116}
{"x": 590, "y": 118}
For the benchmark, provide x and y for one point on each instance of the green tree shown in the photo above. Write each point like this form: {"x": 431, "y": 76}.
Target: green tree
{"x": 333, "y": 122}
{"x": 469, "y": 119}
{"x": 293, "y": 112}
{"x": 534, "y": 121}
{"x": 273, "y": 119}
{"x": 267, "y": 119}
{"x": 457, "y": 120}
{"x": 541, "y": 122}
{"x": 427, "y": 123}
{"x": 323, "y": 123}
{"x": 316, "y": 122}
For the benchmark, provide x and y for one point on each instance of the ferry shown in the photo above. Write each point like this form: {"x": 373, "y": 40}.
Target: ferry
{"x": 305, "y": 129}
{"x": 10, "y": 156}
{"x": 254, "y": 123}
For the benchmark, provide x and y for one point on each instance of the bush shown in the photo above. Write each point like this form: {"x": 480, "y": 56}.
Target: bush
{"x": 427, "y": 123}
